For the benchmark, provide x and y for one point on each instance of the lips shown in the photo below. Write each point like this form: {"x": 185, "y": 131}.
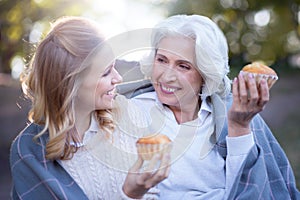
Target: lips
{"x": 168, "y": 89}
{"x": 111, "y": 92}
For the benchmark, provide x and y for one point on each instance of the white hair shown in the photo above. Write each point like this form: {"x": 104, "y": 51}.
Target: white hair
{"x": 210, "y": 48}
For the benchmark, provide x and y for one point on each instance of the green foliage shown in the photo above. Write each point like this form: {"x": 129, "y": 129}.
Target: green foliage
{"x": 275, "y": 40}
{"x": 246, "y": 26}
{"x": 17, "y": 20}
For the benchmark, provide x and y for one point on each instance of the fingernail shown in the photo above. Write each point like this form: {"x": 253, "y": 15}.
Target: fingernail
{"x": 250, "y": 75}
{"x": 263, "y": 81}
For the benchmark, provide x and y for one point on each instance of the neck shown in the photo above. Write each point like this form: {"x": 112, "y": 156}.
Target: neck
{"x": 82, "y": 122}
{"x": 186, "y": 113}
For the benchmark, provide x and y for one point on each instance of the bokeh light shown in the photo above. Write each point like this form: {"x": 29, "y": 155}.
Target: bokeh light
{"x": 114, "y": 17}
{"x": 262, "y": 18}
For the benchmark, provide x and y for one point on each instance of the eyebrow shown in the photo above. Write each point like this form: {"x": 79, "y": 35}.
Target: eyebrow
{"x": 108, "y": 68}
{"x": 113, "y": 64}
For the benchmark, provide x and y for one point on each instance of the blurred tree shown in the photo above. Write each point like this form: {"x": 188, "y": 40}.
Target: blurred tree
{"x": 23, "y": 20}
{"x": 265, "y": 30}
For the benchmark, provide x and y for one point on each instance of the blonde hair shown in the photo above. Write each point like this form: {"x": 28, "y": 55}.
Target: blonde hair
{"x": 210, "y": 48}
{"x": 52, "y": 80}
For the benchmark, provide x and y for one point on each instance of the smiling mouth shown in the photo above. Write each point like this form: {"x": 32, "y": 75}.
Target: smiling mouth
{"x": 168, "y": 90}
{"x": 111, "y": 92}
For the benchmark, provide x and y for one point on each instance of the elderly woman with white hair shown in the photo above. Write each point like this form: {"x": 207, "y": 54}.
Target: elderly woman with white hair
{"x": 222, "y": 149}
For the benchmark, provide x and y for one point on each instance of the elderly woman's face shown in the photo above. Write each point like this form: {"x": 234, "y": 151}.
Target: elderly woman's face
{"x": 175, "y": 77}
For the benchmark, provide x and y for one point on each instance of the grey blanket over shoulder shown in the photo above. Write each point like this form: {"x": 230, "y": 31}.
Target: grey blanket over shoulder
{"x": 33, "y": 176}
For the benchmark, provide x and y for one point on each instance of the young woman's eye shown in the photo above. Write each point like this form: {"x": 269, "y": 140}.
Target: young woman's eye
{"x": 106, "y": 73}
{"x": 108, "y": 70}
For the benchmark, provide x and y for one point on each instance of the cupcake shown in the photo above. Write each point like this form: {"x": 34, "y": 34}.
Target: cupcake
{"x": 260, "y": 71}
{"x": 150, "y": 145}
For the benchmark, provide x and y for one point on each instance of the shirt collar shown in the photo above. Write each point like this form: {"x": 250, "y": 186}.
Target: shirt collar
{"x": 92, "y": 130}
{"x": 205, "y": 109}
{"x": 94, "y": 126}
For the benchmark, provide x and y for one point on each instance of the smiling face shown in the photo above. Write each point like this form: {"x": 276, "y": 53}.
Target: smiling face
{"x": 175, "y": 77}
{"x": 105, "y": 91}
{"x": 97, "y": 90}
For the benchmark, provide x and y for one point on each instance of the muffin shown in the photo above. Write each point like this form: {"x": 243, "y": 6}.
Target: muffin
{"x": 260, "y": 71}
{"x": 150, "y": 145}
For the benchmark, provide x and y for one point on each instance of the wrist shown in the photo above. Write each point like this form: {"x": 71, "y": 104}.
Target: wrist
{"x": 236, "y": 130}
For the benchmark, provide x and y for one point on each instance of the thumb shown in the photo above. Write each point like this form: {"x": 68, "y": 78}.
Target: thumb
{"x": 137, "y": 165}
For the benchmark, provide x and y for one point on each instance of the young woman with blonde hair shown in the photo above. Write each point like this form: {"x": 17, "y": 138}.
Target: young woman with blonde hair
{"x": 71, "y": 82}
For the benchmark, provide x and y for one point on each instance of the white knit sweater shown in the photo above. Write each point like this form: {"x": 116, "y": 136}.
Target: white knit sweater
{"x": 100, "y": 165}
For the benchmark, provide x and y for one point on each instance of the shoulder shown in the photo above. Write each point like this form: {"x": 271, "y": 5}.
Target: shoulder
{"x": 131, "y": 110}
{"x": 141, "y": 101}
{"x": 221, "y": 102}
{"x": 147, "y": 96}
{"x": 24, "y": 144}
{"x": 134, "y": 88}
{"x": 145, "y": 99}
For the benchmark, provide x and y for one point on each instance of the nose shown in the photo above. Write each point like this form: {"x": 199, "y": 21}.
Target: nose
{"x": 168, "y": 73}
{"x": 117, "y": 78}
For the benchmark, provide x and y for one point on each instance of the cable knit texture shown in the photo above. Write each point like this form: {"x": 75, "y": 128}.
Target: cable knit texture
{"x": 100, "y": 165}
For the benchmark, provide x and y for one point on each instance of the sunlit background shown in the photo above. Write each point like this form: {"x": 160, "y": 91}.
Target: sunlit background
{"x": 265, "y": 30}
{"x": 114, "y": 17}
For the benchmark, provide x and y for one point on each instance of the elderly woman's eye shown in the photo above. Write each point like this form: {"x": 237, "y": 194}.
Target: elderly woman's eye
{"x": 161, "y": 60}
{"x": 185, "y": 67}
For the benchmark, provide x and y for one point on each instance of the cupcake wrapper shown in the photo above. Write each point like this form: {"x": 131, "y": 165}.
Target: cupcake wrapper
{"x": 147, "y": 151}
{"x": 258, "y": 77}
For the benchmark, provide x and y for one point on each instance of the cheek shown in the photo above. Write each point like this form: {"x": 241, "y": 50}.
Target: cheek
{"x": 99, "y": 90}
{"x": 102, "y": 87}
{"x": 156, "y": 71}
{"x": 87, "y": 90}
{"x": 198, "y": 81}
{"x": 195, "y": 82}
